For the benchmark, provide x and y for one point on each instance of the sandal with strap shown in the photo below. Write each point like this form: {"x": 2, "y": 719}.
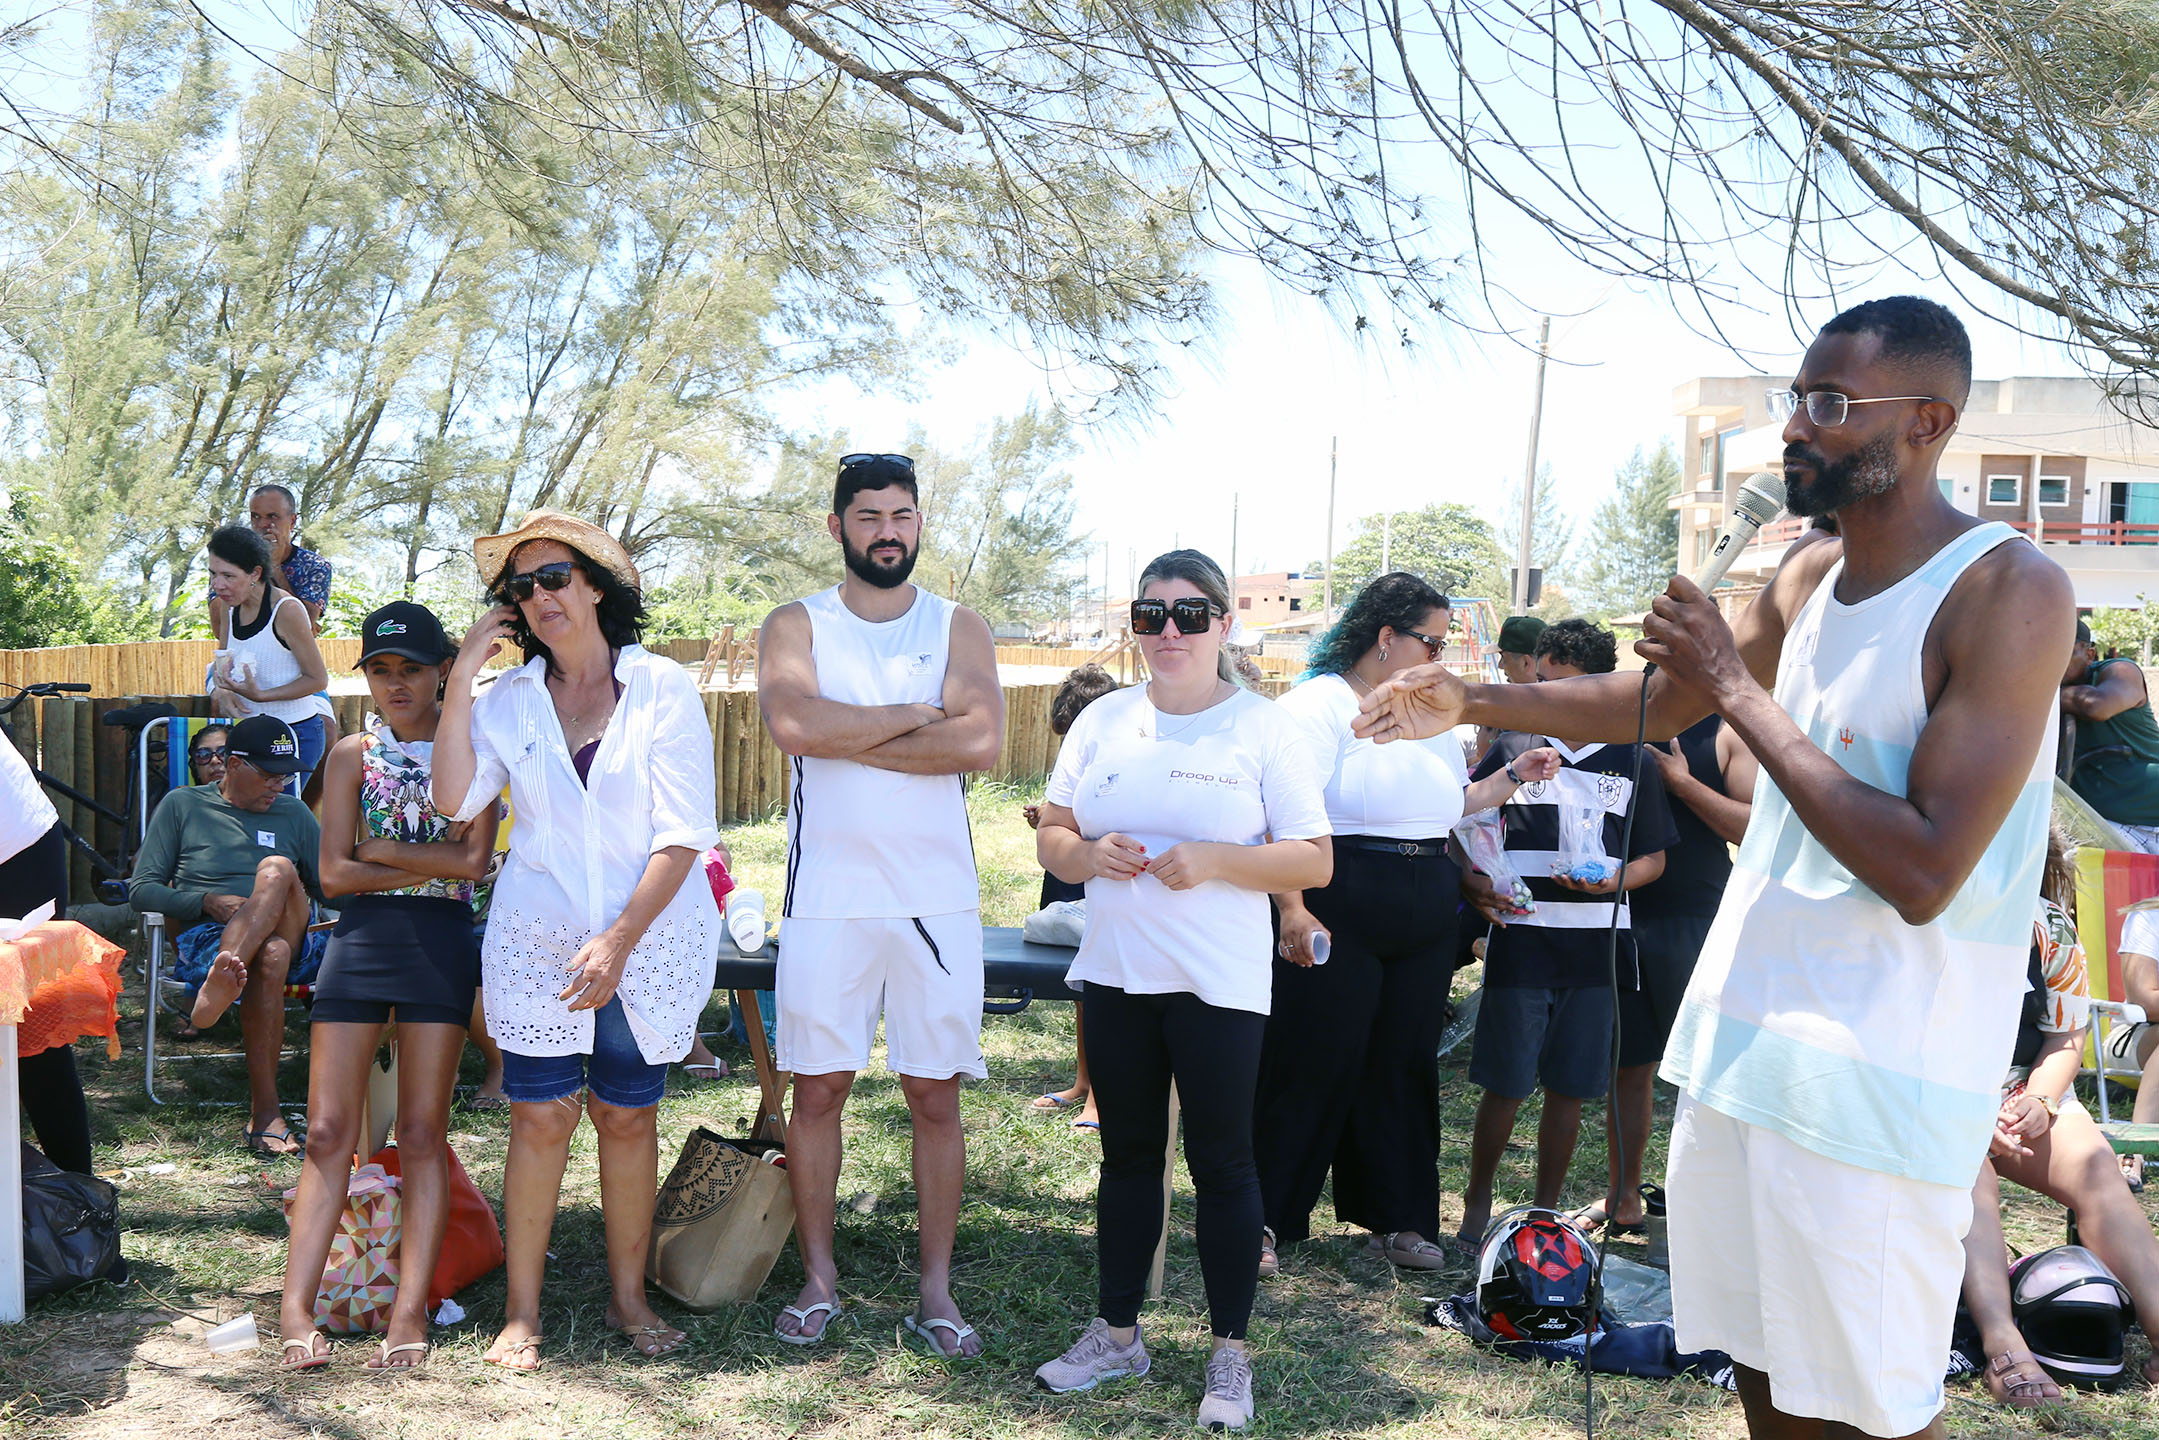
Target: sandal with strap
{"x": 652, "y": 1341}
{"x": 2014, "y": 1377}
{"x": 804, "y": 1314}
{"x": 925, "y": 1329}
{"x": 313, "y": 1359}
{"x": 1270, "y": 1264}
{"x": 383, "y": 1361}
{"x": 1415, "y": 1253}
{"x": 502, "y": 1361}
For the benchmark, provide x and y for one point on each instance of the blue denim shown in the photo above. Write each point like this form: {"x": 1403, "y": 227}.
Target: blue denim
{"x": 308, "y": 734}
{"x": 615, "y": 1072}
{"x": 195, "y": 950}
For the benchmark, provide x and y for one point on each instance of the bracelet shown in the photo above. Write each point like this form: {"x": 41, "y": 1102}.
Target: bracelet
{"x": 1514, "y": 774}
{"x": 2047, "y": 1103}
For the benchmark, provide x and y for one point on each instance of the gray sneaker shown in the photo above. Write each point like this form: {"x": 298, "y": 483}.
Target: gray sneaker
{"x": 1227, "y": 1405}
{"x": 1097, "y": 1357}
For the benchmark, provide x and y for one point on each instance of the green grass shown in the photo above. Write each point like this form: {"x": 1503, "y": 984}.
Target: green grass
{"x": 1338, "y": 1344}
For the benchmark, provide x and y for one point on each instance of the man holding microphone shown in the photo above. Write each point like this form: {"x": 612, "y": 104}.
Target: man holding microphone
{"x": 1840, "y": 1047}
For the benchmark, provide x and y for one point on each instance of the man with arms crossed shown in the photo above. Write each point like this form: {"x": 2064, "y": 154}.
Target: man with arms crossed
{"x": 886, "y": 696}
{"x": 1840, "y": 1047}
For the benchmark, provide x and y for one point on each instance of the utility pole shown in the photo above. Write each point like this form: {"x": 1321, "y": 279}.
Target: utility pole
{"x": 1386, "y": 543}
{"x": 1233, "y": 498}
{"x": 1333, "y": 454}
{"x": 1529, "y": 473}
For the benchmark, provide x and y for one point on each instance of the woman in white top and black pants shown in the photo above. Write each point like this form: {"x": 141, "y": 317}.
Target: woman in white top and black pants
{"x": 1349, "y": 1077}
{"x": 1181, "y": 804}
{"x": 602, "y": 934}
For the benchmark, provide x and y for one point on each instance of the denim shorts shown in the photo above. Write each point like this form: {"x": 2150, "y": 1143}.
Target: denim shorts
{"x": 615, "y": 1072}
{"x": 1530, "y": 1035}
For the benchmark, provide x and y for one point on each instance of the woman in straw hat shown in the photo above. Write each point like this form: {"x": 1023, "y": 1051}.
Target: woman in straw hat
{"x": 602, "y": 936}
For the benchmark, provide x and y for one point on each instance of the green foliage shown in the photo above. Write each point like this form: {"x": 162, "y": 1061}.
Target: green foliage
{"x": 1634, "y": 542}
{"x": 1452, "y": 546}
{"x": 2130, "y": 631}
{"x": 44, "y": 599}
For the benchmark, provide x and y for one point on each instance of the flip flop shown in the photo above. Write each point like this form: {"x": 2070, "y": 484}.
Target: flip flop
{"x": 718, "y": 1071}
{"x": 662, "y": 1338}
{"x": 262, "y": 1143}
{"x": 487, "y": 1102}
{"x": 502, "y": 1361}
{"x": 311, "y": 1360}
{"x": 381, "y": 1363}
{"x": 803, "y": 1314}
{"x": 1465, "y": 1247}
{"x": 1056, "y": 1101}
{"x": 1594, "y": 1217}
{"x": 1094, "y": 1125}
{"x": 926, "y": 1331}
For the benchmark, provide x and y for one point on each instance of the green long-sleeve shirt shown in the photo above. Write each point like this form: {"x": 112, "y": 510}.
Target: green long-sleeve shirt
{"x": 200, "y": 845}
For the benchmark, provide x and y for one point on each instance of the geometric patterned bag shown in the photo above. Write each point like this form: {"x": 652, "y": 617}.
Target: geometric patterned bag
{"x": 359, "y": 1284}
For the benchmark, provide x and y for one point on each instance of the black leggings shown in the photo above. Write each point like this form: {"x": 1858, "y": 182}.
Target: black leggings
{"x": 1136, "y": 1044}
{"x": 51, "y": 1090}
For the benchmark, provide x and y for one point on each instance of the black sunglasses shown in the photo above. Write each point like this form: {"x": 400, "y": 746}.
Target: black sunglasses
{"x": 207, "y": 752}
{"x": 849, "y": 462}
{"x": 1432, "y": 644}
{"x": 1193, "y": 614}
{"x": 547, "y": 577}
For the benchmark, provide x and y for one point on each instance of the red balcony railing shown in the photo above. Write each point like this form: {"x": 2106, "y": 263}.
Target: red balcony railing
{"x": 2095, "y": 532}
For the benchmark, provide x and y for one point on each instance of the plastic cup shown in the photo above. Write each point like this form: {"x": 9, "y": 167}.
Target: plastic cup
{"x": 1320, "y": 947}
{"x": 232, "y": 1335}
{"x": 746, "y": 920}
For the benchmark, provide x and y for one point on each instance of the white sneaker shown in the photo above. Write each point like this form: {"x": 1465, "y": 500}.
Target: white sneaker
{"x": 1095, "y": 1357}
{"x": 1227, "y": 1405}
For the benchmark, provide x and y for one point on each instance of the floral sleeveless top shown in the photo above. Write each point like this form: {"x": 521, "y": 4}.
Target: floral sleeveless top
{"x": 397, "y": 803}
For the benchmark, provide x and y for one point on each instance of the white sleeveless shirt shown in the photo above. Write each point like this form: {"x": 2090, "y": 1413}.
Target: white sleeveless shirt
{"x": 270, "y": 664}
{"x": 863, "y": 842}
{"x": 1815, "y": 1010}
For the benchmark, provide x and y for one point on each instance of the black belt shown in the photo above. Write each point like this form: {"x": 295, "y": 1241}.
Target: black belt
{"x": 1372, "y": 845}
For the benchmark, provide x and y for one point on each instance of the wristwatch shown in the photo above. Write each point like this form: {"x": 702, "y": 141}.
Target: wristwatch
{"x": 1513, "y": 774}
{"x": 2052, "y": 1106}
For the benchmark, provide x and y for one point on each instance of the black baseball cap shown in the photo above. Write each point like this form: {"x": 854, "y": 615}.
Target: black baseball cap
{"x": 404, "y": 627}
{"x": 265, "y": 742}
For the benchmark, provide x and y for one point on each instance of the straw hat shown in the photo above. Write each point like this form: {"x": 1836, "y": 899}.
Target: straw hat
{"x": 492, "y": 552}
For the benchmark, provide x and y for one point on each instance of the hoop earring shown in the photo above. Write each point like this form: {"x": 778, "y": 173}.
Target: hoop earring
{"x": 1382, "y": 654}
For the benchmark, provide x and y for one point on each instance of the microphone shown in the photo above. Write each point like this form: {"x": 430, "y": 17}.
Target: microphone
{"x": 1760, "y": 501}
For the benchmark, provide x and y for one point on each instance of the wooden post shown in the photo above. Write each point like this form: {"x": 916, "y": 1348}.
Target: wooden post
{"x": 83, "y": 879}
{"x": 112, "y": 776}
{"x": 56, "y": 725}
{"x": 1169, "y": 1173}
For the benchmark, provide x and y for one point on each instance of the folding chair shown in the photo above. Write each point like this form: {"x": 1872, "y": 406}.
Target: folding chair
{"x": 2110, "y": 883}
{"x": 157, "y": 997}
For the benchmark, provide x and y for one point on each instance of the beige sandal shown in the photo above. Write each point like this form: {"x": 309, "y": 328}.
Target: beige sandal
{"x": 312, "y": 1360}
{"x": 382, "y": 1361}
{"x": 502, "y": 1361}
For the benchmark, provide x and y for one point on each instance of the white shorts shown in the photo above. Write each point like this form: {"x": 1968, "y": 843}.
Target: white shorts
{"x": 1840, "y": 1284}
{"x": 924, "y": 975}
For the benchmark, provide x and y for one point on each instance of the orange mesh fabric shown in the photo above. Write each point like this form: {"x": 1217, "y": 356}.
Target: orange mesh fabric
{"x": 59, "y": 982}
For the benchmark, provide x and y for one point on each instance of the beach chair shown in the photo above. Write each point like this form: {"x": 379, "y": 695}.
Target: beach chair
{"x": 2109, "y": 884}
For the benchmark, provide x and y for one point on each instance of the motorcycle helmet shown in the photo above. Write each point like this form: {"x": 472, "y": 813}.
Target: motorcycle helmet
{"x": 1538, "y": 1277}
{"x": 2073, "y": 1313}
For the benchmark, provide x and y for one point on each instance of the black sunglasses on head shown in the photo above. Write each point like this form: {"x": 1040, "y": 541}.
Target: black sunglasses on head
{"x": 849, "y": 462}
{"x": 1193, "y": 614}
{"x": 548, "y": 577}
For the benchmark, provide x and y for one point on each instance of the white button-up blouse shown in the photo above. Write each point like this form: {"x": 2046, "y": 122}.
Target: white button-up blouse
{"x": 578, "y": 850}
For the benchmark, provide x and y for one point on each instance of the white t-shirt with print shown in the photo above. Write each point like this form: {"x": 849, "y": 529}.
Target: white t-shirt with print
{"x": 1407, "y": 790}
{"x": 1239, "y": 773}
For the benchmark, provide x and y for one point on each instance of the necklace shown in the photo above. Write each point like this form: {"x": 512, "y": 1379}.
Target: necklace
{"x": 1189, "y": 721}
{"x": 1357, "y": 683}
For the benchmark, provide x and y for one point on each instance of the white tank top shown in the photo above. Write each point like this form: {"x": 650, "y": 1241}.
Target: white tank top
{"x": 869, "y": 843}
{"x": 269, "y": 664}
{"x": 1815, "y": 1010}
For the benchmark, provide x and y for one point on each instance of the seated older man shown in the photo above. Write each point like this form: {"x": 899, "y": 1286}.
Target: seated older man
{"x": 232, "y": 866}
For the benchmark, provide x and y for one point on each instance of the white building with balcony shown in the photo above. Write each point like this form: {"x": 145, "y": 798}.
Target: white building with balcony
{"x": 2047, "y": 454}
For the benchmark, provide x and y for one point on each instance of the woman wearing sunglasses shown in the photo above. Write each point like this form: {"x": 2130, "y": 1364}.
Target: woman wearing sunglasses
{"x": 601, "y": 934}
{"x": 1377, "y": 1003}
{"x": 206, "y": 756}
{"x": 1181, "y": 804}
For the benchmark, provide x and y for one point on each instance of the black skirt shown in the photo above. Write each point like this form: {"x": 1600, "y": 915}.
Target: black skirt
{"x": 402, "y": 950}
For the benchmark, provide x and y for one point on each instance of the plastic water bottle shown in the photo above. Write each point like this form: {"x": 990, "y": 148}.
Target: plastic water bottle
{"x": 1660, "y": 1250}
{"x": 1320, "y": 947}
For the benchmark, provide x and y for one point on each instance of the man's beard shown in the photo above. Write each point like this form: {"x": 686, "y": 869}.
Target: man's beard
{"x": 885, "y": 576}
{"x": 1871, "y": 471}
